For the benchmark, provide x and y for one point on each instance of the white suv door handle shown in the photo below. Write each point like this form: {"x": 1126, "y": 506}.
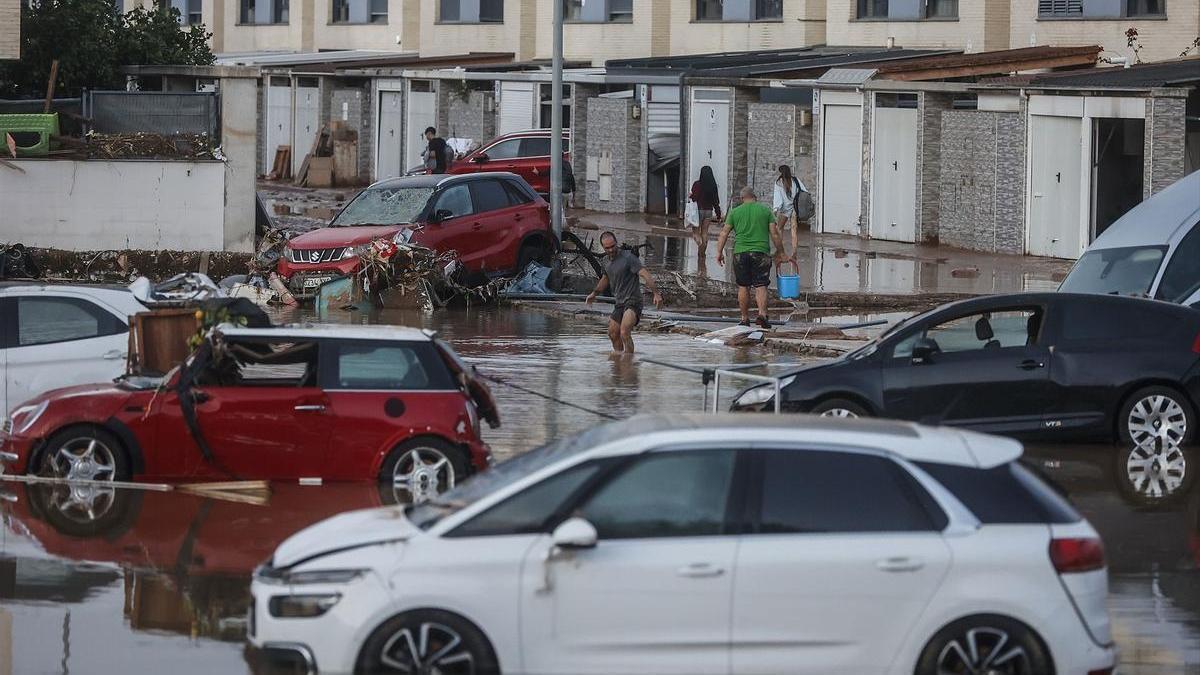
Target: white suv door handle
{"x": 900, "y": 564}
{"x": 700, "y": 570}
{"x": 114, "y": 354}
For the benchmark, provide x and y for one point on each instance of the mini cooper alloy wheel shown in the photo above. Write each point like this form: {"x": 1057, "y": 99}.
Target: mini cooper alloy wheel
{"x": 839, "y": 412}
{"x": 424, "y": 473}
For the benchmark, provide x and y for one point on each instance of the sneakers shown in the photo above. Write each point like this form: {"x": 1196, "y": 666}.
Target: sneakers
{"x": 762, "y": 322}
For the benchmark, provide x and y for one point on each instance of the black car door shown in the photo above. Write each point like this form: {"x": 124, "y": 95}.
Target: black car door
{"x": 988, "y": 370}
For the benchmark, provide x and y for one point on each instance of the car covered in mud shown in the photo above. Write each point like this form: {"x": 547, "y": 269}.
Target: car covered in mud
{"x": 494, "y": 222}
{"x": 330, "y": 402}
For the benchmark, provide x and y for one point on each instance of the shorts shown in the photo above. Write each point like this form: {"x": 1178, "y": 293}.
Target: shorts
{"x": 785, "y": 210}
{"x": 752, "y": 269}
{"x": 618, "y": 312}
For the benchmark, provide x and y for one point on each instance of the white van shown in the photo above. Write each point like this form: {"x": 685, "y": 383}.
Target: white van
{"x": 1152, "y": 251}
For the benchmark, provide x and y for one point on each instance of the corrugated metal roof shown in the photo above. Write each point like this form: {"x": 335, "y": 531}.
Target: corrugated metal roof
{"x": 847, "y": 75}
{"x": 795, "y": 62}
{"x": 1179, "y": 72}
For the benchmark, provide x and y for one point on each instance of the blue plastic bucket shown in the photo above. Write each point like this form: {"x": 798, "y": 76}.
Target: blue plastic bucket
{"x": 789, "y": 284}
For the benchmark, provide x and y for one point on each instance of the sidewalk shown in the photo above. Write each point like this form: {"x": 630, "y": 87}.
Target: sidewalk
{"x": 840, "y": 262}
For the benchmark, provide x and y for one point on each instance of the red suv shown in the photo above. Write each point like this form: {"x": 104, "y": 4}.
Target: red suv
{"x": 494, "y": 221}
{"x": 333, "y": 402}
{"x": 525, "y": 153}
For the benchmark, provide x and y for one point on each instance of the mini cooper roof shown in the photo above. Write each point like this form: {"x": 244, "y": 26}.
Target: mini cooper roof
{"x": 327, "y": 332}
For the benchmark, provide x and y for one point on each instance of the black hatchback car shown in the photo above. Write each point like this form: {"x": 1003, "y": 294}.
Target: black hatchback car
{"x": 1038, "y": 365}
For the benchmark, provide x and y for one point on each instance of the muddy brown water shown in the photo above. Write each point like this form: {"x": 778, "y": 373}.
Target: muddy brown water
{"x": 158, "y": 582}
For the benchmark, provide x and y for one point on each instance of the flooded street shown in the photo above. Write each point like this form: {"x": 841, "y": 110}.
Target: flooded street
{"x": 158, "y": 582}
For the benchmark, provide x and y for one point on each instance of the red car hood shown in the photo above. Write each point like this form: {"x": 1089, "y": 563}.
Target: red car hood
{"x": 333, "y": 237}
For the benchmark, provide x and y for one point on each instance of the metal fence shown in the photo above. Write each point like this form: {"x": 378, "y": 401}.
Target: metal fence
{"x": 114, "y": 112}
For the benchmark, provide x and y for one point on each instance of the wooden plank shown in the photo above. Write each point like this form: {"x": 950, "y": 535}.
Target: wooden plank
{"x": 259, "y": 499}
{"x": 227, "y": 485}
{"x": 50, "y": 85}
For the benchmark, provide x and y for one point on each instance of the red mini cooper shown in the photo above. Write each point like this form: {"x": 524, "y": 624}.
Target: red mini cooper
{"x": 495, "y": 222}
{"x": 333, "y": 402}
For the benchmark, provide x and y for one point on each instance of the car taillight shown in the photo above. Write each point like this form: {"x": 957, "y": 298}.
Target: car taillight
{"x": 1081, "y": 554}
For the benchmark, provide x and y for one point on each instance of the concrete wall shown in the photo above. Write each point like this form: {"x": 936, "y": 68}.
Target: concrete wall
{"x": 130, "y": 204}
{"x": 613, "y": 135}
{"x": 803, "y": 24}
{"x": 981, "y": 25}
{"x": 10, "y": 29}
{"x": 1159, "y": 39}
{"x": 239, "y": 142}
{"x": 517, "y": 34}
{"x": 983, "y": 181}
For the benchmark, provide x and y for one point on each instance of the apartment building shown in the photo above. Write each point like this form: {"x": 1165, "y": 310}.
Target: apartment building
{"x": 10, "y": 29}
{"x": 1165, "y": 28}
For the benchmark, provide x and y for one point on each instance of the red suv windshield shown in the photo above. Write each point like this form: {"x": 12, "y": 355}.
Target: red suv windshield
{"x": 384, "y": 206}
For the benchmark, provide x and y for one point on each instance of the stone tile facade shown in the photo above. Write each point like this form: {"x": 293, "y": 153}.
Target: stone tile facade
{"x": 929, "y": 150}
{"x": 983, "y": 181}
{"x": 1165, "y": 142}
{"x": 468, "y": 117}
{"x": 10, "y": 29}
{"x": 775, "y": 135}
{"x": 614, "y": 137}
{"x": 739, "y": 124}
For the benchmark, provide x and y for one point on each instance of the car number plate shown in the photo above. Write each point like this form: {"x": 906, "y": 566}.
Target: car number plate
{"x": 313, "y": 282}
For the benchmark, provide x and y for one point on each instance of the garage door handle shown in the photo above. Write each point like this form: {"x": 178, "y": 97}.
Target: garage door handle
{"x": 309, "y": 408}
{"x": 1031, "y": 365}
{"x": 700, "y": 571}
{"x": 900, "y": 564}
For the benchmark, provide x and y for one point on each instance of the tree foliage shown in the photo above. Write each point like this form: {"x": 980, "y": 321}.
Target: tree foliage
{"x": 92, "y": 41}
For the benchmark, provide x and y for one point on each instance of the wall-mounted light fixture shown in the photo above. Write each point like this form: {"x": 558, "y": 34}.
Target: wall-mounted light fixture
{"x": 635, "y": 111}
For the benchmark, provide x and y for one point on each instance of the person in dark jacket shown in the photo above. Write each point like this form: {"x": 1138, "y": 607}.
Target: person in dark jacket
{"x": 708, "y": 200}
{"x": 435, "y": 152}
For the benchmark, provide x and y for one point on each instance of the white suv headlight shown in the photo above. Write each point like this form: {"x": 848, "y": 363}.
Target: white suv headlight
{"x": 302, "y": 606}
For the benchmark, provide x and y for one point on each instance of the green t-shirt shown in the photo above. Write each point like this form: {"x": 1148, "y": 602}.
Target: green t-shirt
{"x": 751, "y": 225}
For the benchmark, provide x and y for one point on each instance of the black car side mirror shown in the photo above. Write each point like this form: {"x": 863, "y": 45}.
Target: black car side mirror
{"x": 480, "y": 158}
{"x": 923, "y": 350}
{"x": 441, "y": 215}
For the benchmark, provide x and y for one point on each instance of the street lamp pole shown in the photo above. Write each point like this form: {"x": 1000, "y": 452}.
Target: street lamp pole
{"x": 556, "y": 122}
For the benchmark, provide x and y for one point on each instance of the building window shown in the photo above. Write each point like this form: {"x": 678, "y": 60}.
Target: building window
{"x": 597, "y": 11}
{"x": 471, "y": 11}
{"x": 739, "y": 10}
{"x": 189, "y": 11}
{"x": 708, "y": 10}
{"x": 261, "y": 11}
{"x": 872, "y": 9}
{"x": 620, "y": 10}
{"x": 941, "y": 9}
{"x": 1139, "y": 8}
{"x": 1060, "y": 8}
{"x": 573, "y": 10}
{"x": 359, "y": 11}
{"x": 546, "y": 106}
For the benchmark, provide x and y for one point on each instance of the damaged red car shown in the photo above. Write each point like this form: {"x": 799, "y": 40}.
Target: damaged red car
{"x": 337, "y": 403}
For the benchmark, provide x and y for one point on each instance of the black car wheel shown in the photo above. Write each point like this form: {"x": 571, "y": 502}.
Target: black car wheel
{"x": 1156, "y": 417}
{"x": 84, "y": 453}
{"x": 839, "y": 407}
{"x": 427, "y": 641}
{"x": 994, "y": 645}
{"x": 421, "y": 469}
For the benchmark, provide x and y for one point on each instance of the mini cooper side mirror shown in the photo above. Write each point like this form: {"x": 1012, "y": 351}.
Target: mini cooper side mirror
{"x": 574, "y": 533}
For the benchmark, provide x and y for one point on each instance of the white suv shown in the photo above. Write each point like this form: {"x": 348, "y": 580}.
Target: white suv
{"x": 705, "y": 545}
{"x": 59, "y": 336}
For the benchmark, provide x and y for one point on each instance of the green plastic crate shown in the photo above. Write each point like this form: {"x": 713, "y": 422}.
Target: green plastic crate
{"x": 31, "y": 131}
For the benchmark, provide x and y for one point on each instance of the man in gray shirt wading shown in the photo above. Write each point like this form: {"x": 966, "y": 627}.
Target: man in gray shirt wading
{"x": 624, "y": 271}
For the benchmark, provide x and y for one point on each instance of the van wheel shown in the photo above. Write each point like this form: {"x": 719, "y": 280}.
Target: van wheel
{"x": 84, "y": 453}
{"x": 420, "y": 469}
{"x": 427, "y": 641}
{"x": 1156, "y": 417}
{"x": 995, "y": 645}
{"x": 839, "y": 407}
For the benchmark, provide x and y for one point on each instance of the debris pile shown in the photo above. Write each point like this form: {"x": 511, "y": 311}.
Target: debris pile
{"x": 139, "y": 145}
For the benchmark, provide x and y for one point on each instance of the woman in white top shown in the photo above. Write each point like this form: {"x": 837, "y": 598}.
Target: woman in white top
{"x": 783, "y": 203}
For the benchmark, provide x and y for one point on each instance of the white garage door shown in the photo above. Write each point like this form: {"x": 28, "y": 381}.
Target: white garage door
{"x": 708, "y": 139}
{"x": 422, "y": 113}
{"x": 1056, "y": 150}
{"x": 894, "y": 175}
{"x": 391, "y": 128}
{"x": 841, "y": 170}
{"x": 516, "y": 106}
{"x": 305, "y": 124}
{"x": 279, "y": 119}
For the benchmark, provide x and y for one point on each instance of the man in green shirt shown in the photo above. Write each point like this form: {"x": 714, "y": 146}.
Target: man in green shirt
{"x": 754, "y": 230}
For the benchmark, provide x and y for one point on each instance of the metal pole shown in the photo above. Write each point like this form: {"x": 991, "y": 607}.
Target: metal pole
{"x": 556, "y": 122}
